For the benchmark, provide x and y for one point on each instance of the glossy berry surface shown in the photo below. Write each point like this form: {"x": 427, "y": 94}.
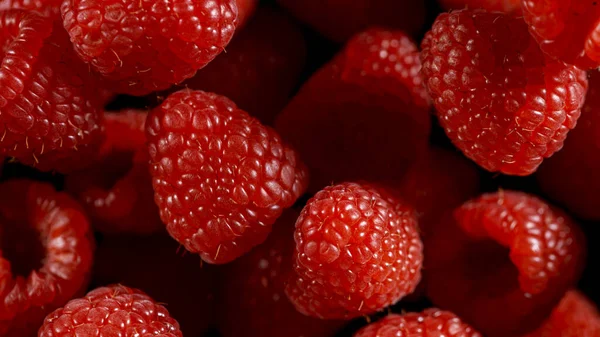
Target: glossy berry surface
{"x": 501, "y": 101}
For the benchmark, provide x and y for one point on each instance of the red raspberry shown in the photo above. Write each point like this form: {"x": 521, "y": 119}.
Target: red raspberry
{"x": 503, "y": 262}
{"x": 157, "y": 264}
{"x": 490, "y": 5}
{"x": 357, "y": 252}
{"x": 45, "y": 254}
{"x": 46, "y": 117}
{"x": 253, "y": 301}
{"x": 111, "y": 311}
{"x": 340, "y": 19}
{"x": 221, "y": 179}
{"x": 145, "y": 45}
{"x": 578, "y": 163}
{"x": 431, "y": 322}
{"x": 44, "y": 7}
{"x": 499, "y": 99}
{"x": 365, "y": 115}
{"x": 246, "y": 9}
{"x": 575, "y": 316}
{"x": 117, "y": 190}
{"x": 567, "y": 30}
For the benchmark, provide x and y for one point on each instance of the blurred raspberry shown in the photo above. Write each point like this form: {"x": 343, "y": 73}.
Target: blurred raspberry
{"x": 44, "y": 7}
{"x": 490, "y": 5}
{"x": 246, "y": 9}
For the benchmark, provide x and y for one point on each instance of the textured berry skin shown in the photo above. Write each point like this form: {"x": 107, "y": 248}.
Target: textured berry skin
{"x": 508, "y": 258}
{"x": 253, "y": 301}
{"x": 571, "y": 176}
{"x": 357, "y": 252}
{"x": 144, "y": 46}
{"x": 500, "y": 100}
{"x": 246, "y": 9}
{"x": 575, "y": 316}
{"x": 349, "y": 119}
{"x": 355, "y": 16}
{"x": 490, "y": 5}
{"x": 431, "y": 322}
{"x": 44, "y": 7}
{"x": 38, "y": 276}
{"x": 117, "y": 190}
{"x": 221, "y": 179}
{"x": 47, "y": 118}
{"x": 111, "y": 311}
{"x": 566, "y": 29}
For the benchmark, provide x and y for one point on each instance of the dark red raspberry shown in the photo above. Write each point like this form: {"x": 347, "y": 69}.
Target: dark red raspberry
{"x": 500, "y": 100}
{"x": 340, "y": 19}
{"x": 503, "y": 262}
{"x": 117, "y": 190}
{"x": 246, "y": 9}
{"x": 566, "y": 30}
{"x": 253, "y": 301}
{"x": 221, "y": 179}
{"x": 47, "y": 119}
{"x": 111, "y": 311}
{"x": 571, "y": 176}
{"x": 364, "y": 115}
{"x": 431, "y": 322}
{"x": 490, "y": 5}
{"x": 357, "y": 252}
{"x": 575, "y": 316}
{"x": 144, "y": 45}
{"x": 45, "y": 254}
{"x": 45, "y": 7}
{"x": 158, "y": 264}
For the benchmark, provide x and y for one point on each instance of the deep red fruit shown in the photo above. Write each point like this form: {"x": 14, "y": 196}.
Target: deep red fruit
{"x": 571, "y": 176}
{"x": 575, "y": 316}
{"x": 117, "y": 190}
{"x": 221, "y": 179}
{"x": 44, "y": 7}
{"x": 431, "y": 322}
{"x": 45, "y": 254}
{"x": 503, "y": 262}
{"x": 357, "y": 252}
{"x": 253, "y": 302}
{"x": 500, "y": 100}
{"x": 111, "y": 311}
{"x": 246, "y": 9}
{"x": 490, "y": 5}
{"x": 158, "y": 264}
{"x": 568, "y": 30}
{"x": 145, "y": 45}
{"x": 365, "y": 115}
{"x": 47, "y": 118}
{"x": 340, "y": 19}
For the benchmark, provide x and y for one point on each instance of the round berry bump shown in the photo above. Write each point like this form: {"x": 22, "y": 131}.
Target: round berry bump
{"x": 47, "y": 118}
{"x": 45, "y": 254}
{"x": 500, "y": 100}
{"x": 507, "y": 6}
{"x": 111, "y": 311}
{"x": 44, "y": 7}
{"x": 508, "y": 257}
{"x": 148, "y": 45}
{"x": 431, "y": 322}
{"x": 357, "y": 252}
{"x": 221, "y": 179}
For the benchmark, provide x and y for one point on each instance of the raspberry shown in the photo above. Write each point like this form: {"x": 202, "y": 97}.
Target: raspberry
{"x": 357, "y": 252}
{"x": 431, "y": 322}
{"x": 499, "y": 99}
{"x": 575, "y": 316}
{"x": 253, "y": 301}
{"x": 357, "y": 15}
{"x": 507, "y": 257}
{"x": 221, "y": 179}
{"x": 44, "y": 7}
{"x": 365, "y": 115}
{"x": 46, "y": 117}
{"x": 111, "y": 311}
{"x": 246, "y": 9}
{"x": 156, "y": 263}
{"x": 45, "y": 254}
{"x": 567, "y": 30}
{"x": 117, "y": 190}
{"x": 490, "y": 5}
{"x": 578, "y": 163}
{"x": 144, "y": 45}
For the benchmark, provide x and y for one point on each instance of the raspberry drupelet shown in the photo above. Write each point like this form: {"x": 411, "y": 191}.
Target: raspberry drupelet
{"x": 503, "y": 261}
{"x": 501, "y": 101}
{"x": 46, "y": 253}
{"x": 44, "y": 7}
{"x": 357, "y": 251}
{"x": 221, "y": 179}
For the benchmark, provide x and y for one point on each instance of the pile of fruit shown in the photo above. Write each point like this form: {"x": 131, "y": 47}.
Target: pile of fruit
{"x": 302, "y": 168}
